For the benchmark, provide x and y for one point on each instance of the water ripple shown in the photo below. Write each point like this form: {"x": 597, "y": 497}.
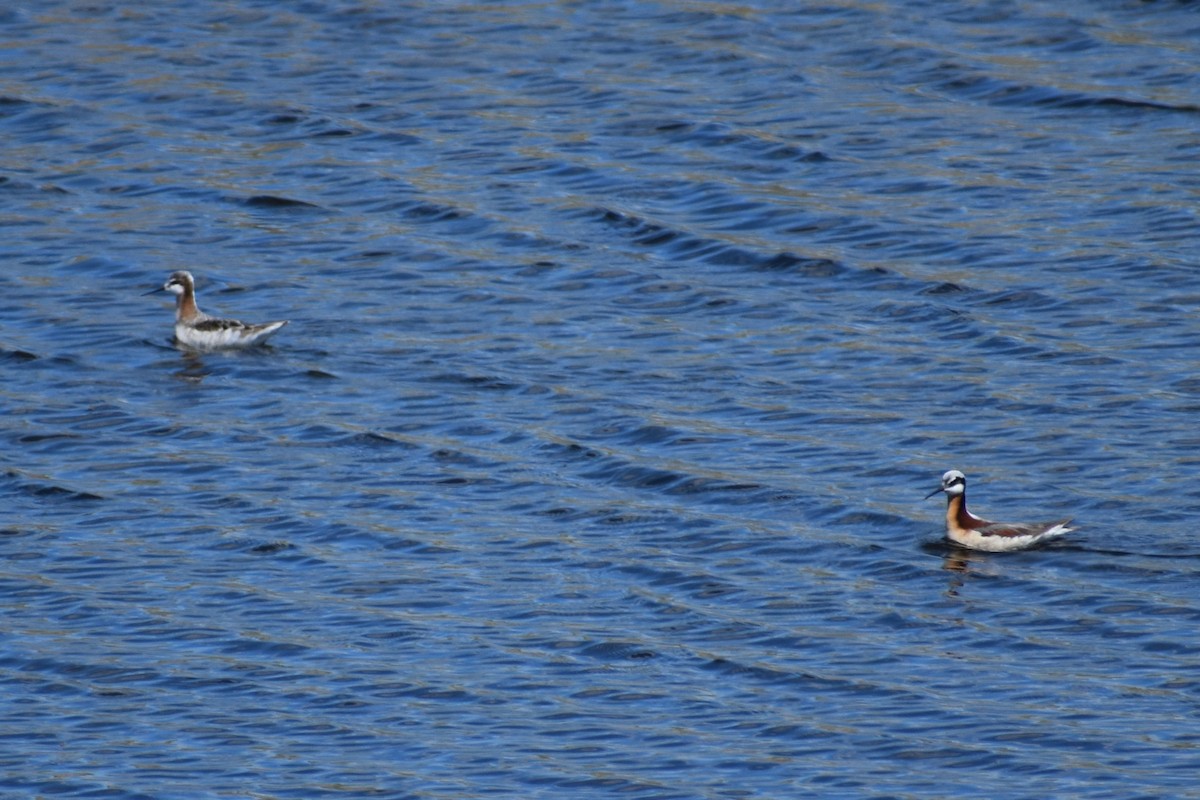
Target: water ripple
{"x": 625, "y": 342}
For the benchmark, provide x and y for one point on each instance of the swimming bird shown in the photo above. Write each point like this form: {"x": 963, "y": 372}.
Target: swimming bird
{"x": 199, "y": 331}
{"x": 966, "y": 529}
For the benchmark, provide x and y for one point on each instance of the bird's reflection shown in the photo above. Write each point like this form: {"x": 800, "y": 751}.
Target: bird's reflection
{"x": 194, "y": 369}
{"x": 958, "y": 561}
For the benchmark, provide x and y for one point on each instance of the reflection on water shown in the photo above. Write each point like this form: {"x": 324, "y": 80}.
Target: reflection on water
{"x": 958, "y": 559}
{"x": 194, "y": 368}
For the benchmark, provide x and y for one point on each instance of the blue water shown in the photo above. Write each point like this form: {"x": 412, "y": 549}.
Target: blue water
{"x": 626, "y": 339}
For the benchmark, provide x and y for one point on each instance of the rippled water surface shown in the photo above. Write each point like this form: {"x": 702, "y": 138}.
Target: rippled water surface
{"x": 625, "y": 340}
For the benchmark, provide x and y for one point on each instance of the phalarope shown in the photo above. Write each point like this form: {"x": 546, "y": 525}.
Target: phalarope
{"x": 966, "y": 529}
{"x": 199, "y": 331}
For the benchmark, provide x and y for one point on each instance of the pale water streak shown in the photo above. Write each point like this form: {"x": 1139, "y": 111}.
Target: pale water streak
{"x": 626, "y": 339}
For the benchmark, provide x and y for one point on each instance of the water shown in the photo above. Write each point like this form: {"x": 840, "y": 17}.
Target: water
{"x": 625, "y": 340}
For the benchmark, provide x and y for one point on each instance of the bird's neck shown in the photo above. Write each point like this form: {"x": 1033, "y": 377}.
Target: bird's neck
{"x": 957, "y": 515}
{"x": 186, "y": 309}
